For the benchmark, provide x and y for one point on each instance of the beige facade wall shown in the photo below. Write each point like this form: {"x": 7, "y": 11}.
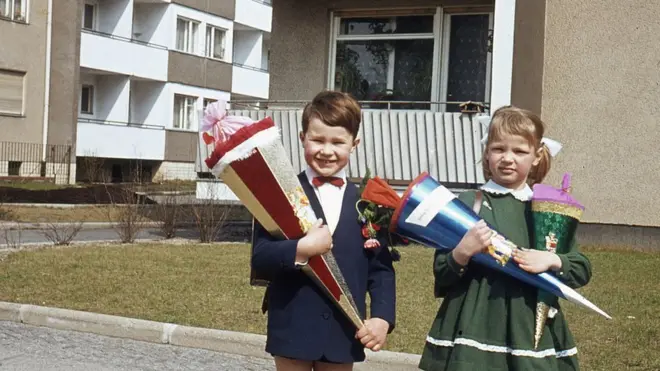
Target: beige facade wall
{"x": 23, "y": 49}
{"x": 528, "y": 49}
{"x": 64, "y": 72}
{"x": 300, "y": 41}
{"x": 600, "y": 94}
{"x": 180, "y": 146}
{"x": 198, "y": 71}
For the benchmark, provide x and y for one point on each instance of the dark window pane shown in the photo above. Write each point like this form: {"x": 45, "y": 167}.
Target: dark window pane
{"x": 390, "y": 25}
{"x": 88, "y": 19}
{"x": 361, "y": 68}
{"x": 468, "y": 55}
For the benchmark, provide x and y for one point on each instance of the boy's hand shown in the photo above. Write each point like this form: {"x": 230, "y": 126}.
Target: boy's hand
{"x": 536, "y": 261}
{"x": 317, "y": 241}
{"x": 373, "y": 334}
{"x": 476, "y": 240}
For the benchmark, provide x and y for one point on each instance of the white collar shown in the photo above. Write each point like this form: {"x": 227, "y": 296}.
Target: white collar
{"x": 311, "y": 174}
{"x": 524, "y": 194}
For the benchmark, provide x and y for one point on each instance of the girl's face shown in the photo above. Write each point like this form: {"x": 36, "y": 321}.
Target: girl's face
{"x": 510, "y": 159}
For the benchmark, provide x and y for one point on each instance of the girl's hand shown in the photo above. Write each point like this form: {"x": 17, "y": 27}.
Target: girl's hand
{"x": 475, "y": 241}
{"x": 536, "y": 261}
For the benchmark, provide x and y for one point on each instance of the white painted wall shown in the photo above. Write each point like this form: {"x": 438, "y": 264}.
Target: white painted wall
{"x": 175, "y": 10}
{"x": 148, "y": 103}
{"x": 254, "y": 14}
{"x": 151, "y": 23}
{"x": 115, "y": 17}
{"x": 250, "y": 82}
{"x": 502, "y": 71}
{"x": 123, "y": 57}
{"x": 193, "y": 91}
{"x": 120, "y": 141}
{"x": 112, "y": 94}
{"x": 248, "y": 48}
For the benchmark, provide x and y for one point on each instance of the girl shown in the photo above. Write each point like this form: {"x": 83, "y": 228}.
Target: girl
{"x": 486, "y": 320}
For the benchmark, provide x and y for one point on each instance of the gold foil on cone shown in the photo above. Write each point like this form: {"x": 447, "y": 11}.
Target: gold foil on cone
{"x": 542, "y": 310}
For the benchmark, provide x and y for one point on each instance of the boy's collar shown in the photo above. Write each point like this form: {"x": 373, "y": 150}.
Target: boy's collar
{"x": 524, "y": 194}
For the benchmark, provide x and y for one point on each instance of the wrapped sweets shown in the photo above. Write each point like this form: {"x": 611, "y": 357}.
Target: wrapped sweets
{"x": 250, "y": 159}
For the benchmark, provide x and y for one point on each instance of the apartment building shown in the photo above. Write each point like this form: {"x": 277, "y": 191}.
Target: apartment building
{"x": 132, "y": 76}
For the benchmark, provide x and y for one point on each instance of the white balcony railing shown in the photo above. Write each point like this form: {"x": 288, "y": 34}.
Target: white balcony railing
{"x": 398, "y": 145}
{"x": 257, "y": 14}
{"x": 250, "y": 81}
{"x": 123, "y": 56}
{"x": 120, "y": 140}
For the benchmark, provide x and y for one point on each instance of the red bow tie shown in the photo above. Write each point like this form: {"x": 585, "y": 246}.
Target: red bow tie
{"x": 320, "y": 180}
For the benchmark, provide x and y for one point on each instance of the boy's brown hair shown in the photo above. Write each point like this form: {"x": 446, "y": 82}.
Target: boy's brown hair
{"x": 334, "y": 108}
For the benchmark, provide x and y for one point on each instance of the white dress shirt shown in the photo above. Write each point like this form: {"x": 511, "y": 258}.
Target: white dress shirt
{"x": 330, "y": 197}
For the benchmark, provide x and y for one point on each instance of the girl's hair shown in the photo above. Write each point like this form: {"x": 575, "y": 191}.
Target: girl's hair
{"x": 510, "y": 120}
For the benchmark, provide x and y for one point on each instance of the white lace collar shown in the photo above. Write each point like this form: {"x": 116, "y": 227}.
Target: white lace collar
{"x": 524, "y": 194}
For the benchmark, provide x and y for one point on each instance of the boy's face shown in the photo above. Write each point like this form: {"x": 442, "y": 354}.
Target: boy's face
{"x": 327, "y": 148}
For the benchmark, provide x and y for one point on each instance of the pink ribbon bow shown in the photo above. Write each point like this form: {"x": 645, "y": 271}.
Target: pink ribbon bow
{"x": 223, "y": 126}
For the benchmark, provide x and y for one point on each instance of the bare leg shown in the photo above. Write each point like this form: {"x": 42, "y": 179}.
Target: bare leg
{"x": 323, "y": 366}
{"x": 286, "y": 364}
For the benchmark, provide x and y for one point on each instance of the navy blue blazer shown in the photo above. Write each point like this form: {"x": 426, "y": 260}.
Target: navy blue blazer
{"x": 302, "y": 323}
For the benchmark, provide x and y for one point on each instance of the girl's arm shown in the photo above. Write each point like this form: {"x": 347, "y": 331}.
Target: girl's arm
{"x": 446, "y": 270}
{"x": 575, "y": 268}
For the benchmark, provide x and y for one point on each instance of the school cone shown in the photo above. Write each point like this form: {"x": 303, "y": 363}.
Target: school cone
{"x": 430, "y": 214}
{"x": 555, "y": 218}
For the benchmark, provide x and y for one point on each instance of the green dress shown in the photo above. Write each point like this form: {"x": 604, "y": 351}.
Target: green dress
{"x": 486, "y": 320}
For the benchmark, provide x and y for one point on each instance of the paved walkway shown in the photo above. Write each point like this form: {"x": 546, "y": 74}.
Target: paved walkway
{"x": 30, "y": 348}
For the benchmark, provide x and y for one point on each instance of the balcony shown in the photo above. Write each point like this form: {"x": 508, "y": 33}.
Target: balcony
{"x": 107, "y": 52}
{"x": 396, "y": 145}
{"x": 111, "y": 139}
{"x": 257, "y": 14}
{"x": 250, "y": 81}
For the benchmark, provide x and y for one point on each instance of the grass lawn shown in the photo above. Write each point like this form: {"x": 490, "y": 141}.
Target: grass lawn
{"x": 207, "y": 286}
{"x": 35, "y": 186}
{"x": 44, "y": 214}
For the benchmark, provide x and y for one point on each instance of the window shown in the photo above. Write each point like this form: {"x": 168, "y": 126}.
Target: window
{"x": 14, "y": 168}
{"x": 14, "y": 9}
{"x": 397, "y": 58}
{"x": 215, "y": 42}
{"x": 208, "y": 101}
{"x": 11, "y": 92}
{"x": 186, "y": 34}
{"x": 184, "y": 112}
{"x": 87, "y": 99}
{"x": 89, "y": 16}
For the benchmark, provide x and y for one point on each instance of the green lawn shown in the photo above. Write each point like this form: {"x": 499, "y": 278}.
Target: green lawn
{"x": 207, "y": 286}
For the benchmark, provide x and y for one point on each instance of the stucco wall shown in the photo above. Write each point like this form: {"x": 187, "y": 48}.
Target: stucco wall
{"x": 600, "y": 98}
{"x": 300, "y": 41}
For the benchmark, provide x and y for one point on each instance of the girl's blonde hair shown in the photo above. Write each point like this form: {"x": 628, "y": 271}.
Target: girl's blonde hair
{"x": 510, "y": 120}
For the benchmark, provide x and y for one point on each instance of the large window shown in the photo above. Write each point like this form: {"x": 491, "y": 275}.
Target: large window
{"x": 14, "y": 9}
{"x": 215, "y": 42}
{"x": 11, "y": 92}
{"x": 427, "y": 57}
{"x": 184, "y": 112}
{"x": 186, "y": 35}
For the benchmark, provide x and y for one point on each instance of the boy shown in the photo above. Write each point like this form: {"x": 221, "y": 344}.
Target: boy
{"x": 306, "y": 330}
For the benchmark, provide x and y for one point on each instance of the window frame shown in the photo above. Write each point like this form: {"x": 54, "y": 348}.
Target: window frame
{"x": 10, "y": 10}
{"x": 182, "y": 117}
{"x": 191, "y": 33}
{"x": 90, "y": 99}
{"x": 210, "y": 42}
{"x": 440, "y": 36}
{"x": 95, "y": 9}
{"x": 21, "y": 75}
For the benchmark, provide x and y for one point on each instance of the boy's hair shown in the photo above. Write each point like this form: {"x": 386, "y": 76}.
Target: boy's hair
{"x": 334, "y": 109}
{"x": 510, "y": 120}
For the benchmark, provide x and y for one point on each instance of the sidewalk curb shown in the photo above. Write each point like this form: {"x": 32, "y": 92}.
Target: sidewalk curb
{"x": 251, "y": 345}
